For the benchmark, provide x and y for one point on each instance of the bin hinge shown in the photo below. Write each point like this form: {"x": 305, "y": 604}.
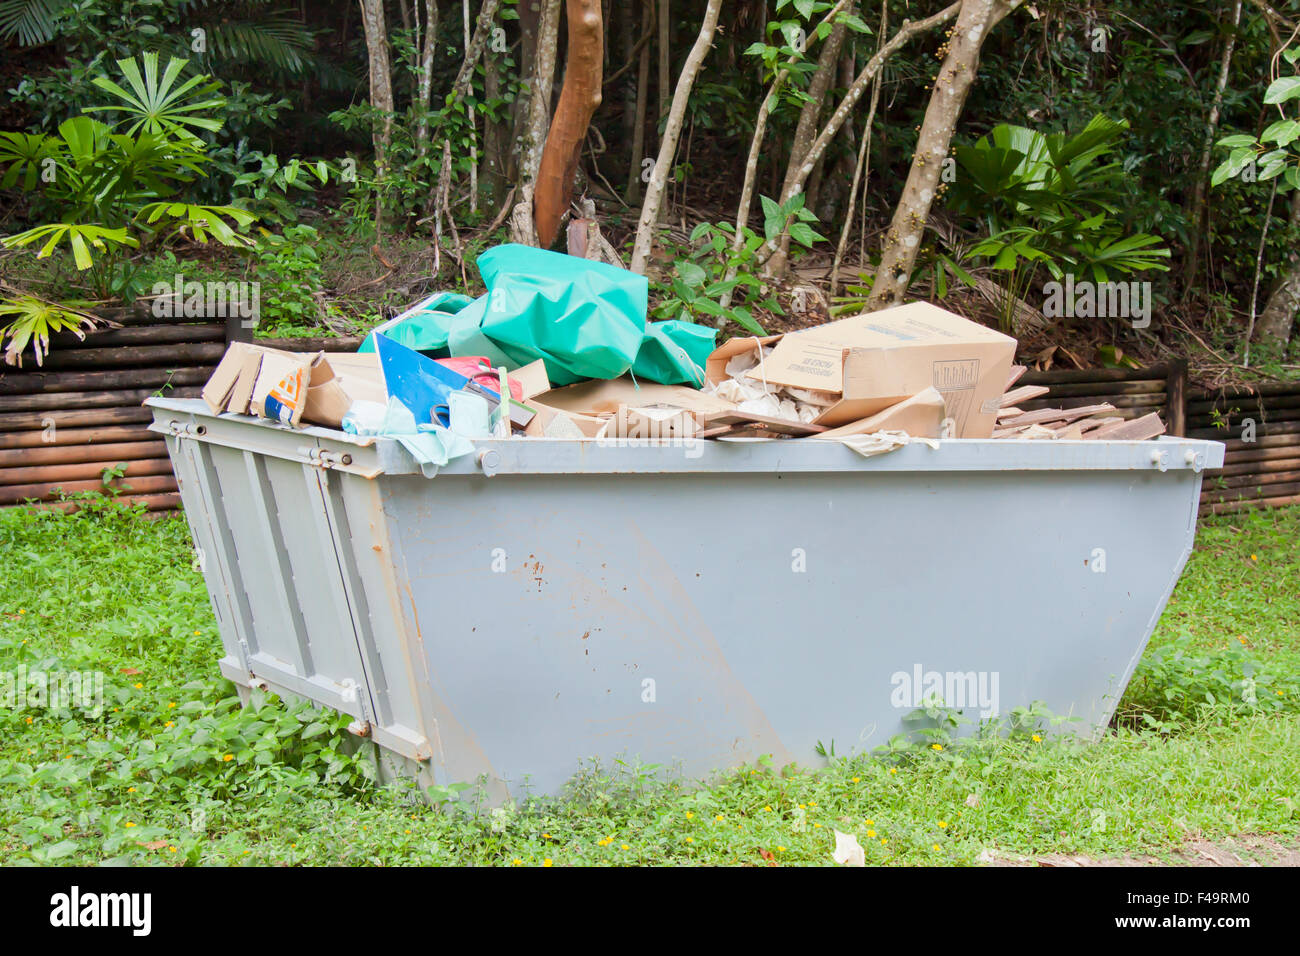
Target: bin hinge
{"x": 323, "y": 458}
{"x": 186, "y": 429}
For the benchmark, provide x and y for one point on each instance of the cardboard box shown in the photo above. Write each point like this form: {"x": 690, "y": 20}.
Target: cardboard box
{"x": 882, "y": 358}
{"x": 292, "y": 387}
{"x": 605, "y": 397}
{"x": 337, "y": 381}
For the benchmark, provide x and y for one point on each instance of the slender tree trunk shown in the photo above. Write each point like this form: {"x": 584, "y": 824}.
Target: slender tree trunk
{"x": 473, "y": 125}
{"x": 539, "y": 104}
{"x": 903, "y": 240}
{"x": 672, "y": 130}
{"x": 496, "y": 134}
{"x": 427, "y": 40}
{"x": 809, "y": 117}
{"x": 862, "y": 170}
{"x": 755, "y": 147}
{"x": 633, "y": 193}
{"x": 665, "y": 77}
{"x": 578, "y": 102}
{"x": 1278, "y": 317}
{"x": 381, "y": 92}
{"x": 1196, "y": 207}
{"x": 530, "y": 17}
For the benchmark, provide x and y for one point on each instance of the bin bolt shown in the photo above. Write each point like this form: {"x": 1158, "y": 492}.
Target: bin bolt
{"x": 1160, "y": 460}
{"x": 1195, "y": 459}
{"x": 489, "y": 460}
{"x": 359, "y": 728}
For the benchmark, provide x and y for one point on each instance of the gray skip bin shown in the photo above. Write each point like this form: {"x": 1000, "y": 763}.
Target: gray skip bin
{"x": 696, "y": 605}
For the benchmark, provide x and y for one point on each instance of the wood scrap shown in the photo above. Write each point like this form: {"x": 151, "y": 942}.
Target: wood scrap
{"x": 1024, "y": 393}
{"x": 735, "y": 424}
{"x": 1137, "y": 429}
{"x": 1088, "y": 424}
{"x": 1004, "y": 413}
{"x": 1014, "y": 376}
{"x": 1059, "y": 414}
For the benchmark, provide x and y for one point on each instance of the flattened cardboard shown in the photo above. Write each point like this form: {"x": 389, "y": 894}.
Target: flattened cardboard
{"x": 921, "y": 416}
{"x": 883, "y": 358}
{"x": 598, "y": 397}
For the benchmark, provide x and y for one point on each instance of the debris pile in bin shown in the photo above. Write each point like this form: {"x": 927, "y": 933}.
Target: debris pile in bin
{"x": 560, "y": 348}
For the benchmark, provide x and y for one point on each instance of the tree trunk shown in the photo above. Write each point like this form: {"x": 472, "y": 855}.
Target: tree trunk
{"x": 868, "y": 73}
{"x": 496, "y": 134}
{"x": 809, "y": 117}
{"x": 1196, "y": 207}
{"x": 903, "y": 240}
{"x": 578, "y": 102}
{"x": 1279, "y": 313}
{"x": 642, "y": 98}
{"x": 665, "y": 78}
{"x": 539, "y": 102}
{"x": 672, "y": 130}
{"x": 381, "y": 90}
{"x": 427, "y": 42}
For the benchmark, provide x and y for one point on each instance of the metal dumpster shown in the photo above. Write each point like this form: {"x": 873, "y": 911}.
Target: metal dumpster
{"x": 694, "y": 605}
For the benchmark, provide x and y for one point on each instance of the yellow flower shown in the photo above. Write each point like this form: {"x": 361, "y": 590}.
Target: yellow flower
{"x": 516, "y": 862}
{"x": 625, "y": 846}
{"x": 690, "y": 839}
{"x": 170, "y": 723}
{"x": 197, "y": 633}
{"x": 871, "y": 834}
{"x": 818, "y": 825}
{"x": 803, "y": 806}
{"x": 138, "y": 686}
{"x": 893, "y": 770}
{"x": 29, "y": 720}
{"x": 546, "y": 836}
{"x": 812, "y": 804}
{"x": 130, "y": 789}
{"x": 719, "y": 818}
{"x": 171, "y": 849}
{"x": 408, "y": 832}
{"x": 1252, "y": 557}
{"x": 857, "y": 779}
{"x": 883, "y": 841}
{"x": 943, "y": 824}
{"x": 130, "y": 824}
{"x": 936, "y": 746}
{"x": 227, "y": 758}
{"x": 869, "y": 822}
{"x": 768, "y": 808}
{"x": 690, "y": 815}
{"x": 780, "y": 849}
{"x": 171, "y": 703}
{"x": 1036, "y": 739}
{"x": 936, "y": 848}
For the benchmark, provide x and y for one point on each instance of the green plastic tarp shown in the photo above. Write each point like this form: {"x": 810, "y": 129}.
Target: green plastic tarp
{"x": 585, "y": 319}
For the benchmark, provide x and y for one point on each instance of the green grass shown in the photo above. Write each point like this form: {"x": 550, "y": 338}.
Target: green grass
{"x": 174, "y": 771}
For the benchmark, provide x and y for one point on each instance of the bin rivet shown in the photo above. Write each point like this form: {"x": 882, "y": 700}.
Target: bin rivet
{"x": 489, "y": 460}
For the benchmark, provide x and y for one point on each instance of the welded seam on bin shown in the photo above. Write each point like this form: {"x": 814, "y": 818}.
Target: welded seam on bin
{"x": 265, "y": 506}
{"x": 370, "y": 713}
{"x": 232, "y": 580}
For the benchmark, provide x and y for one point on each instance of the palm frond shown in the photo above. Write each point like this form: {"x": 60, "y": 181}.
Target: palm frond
{"x": 276, "y": 41}
{"x": 30, "y": 21}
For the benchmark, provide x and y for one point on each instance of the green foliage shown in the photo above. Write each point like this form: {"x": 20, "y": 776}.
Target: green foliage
{"x": 715, "y": 270}
{"x": 109, "y": 190}
{"x": 108, "y": 590}
{"x": 1048, "y": 200}
{"x": 161, "y": 105}
{"x": 1272, "y": 153}
{"x": 27, "y": 319}
{"x": 289, "y": 270}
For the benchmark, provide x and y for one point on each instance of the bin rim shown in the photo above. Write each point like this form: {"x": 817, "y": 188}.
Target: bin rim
{"x": 372, "y": 456}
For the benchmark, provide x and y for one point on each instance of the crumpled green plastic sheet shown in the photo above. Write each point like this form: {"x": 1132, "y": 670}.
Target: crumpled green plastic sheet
{"x": 584, "y": 319}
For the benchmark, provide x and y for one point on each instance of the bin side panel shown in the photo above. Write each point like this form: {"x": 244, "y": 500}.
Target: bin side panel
{"x": 702, "y": 621}
{"x": 286, "y": 575}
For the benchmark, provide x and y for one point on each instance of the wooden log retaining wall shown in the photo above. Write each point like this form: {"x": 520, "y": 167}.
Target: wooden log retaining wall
{"x": 62, "y": 424}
